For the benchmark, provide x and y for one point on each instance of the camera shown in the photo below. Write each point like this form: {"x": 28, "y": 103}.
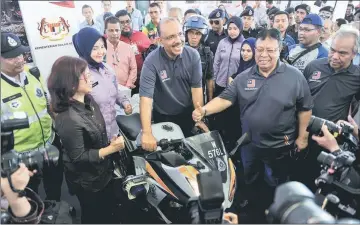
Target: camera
{"x": 10, "y": 159}
{"x": 346, "y": 139}
{"x": 295, "y": 203}
{"x": 207, "y": 208}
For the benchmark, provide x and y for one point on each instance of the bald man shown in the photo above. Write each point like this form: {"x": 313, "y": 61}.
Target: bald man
{"x": 325, "y": 37}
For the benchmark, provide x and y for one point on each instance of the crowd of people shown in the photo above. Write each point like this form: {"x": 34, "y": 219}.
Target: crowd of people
{"x": 263, "y": 72}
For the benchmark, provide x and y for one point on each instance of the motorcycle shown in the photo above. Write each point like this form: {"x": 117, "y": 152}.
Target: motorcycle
{"x": 164, "y": 180}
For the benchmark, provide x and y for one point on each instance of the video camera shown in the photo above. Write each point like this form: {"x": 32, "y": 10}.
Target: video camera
{"x": 10, "y": 159}
{"x": 346, "y": 139}
{"x": 207, "y": 208}
{"x": 295, "y": 203}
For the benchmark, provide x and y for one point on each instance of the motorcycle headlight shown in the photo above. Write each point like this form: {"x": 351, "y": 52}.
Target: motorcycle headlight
{"x": 135, "y": 186}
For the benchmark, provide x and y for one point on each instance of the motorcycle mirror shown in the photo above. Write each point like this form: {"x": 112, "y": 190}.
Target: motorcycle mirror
{"x": 243, "y": 140}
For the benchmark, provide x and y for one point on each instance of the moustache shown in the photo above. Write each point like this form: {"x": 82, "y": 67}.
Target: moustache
{"x": 178, "y": 44}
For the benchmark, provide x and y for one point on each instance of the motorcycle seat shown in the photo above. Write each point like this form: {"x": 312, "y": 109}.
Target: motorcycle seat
{"x": 173, "y": 159}
{"x": 130, "y": 125}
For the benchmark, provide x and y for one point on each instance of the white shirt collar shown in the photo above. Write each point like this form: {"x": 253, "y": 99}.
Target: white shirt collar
{"x": 22, "y": 78}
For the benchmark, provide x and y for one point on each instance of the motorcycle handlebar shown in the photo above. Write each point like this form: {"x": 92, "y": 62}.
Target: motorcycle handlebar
{"x": 163, "y": 143}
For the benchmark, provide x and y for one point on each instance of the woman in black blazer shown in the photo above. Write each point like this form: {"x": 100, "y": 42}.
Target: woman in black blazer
{"x": 81, "y": 127}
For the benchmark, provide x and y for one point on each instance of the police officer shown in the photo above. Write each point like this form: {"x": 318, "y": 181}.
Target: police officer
{"x": 171, "y": 82}
{"x": 274, "y": 99}
{"x": 218, "y": 32}
{"x": 196, "y": 31}
{"x": 326, "y": 12}
{"x": 24, "y": 91}
{"x": 247, "y": 17}
{"x": 271, "y": 14}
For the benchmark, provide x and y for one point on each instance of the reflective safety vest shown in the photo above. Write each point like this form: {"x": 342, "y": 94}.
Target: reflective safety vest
{"x": 29, "y": 99}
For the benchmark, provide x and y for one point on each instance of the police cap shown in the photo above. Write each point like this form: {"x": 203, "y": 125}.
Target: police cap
{"x": 247, "y": 12}
{"x": 217, "y": 14}
{"x": 303, "y": 7}
{"x": 327, "y": 9}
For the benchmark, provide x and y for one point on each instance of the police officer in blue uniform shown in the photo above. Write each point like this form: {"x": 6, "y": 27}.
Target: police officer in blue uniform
{"x": 196, "y": 31}
{"x": 247, "y": 17}
{"x": 218, "y": 32}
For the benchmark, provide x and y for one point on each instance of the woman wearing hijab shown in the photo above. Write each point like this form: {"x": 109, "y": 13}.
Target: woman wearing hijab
{"x": 247, "y": 56}
{"x": 226, "y": 63}
{"x": 91, "y": 46}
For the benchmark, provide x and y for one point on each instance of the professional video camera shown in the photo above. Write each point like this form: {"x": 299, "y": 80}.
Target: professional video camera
{"x": 207, "y": 208}
{"x": 10, "y": 159}
{"x": 346, "y": 139}
{"x": 294, "y": 203}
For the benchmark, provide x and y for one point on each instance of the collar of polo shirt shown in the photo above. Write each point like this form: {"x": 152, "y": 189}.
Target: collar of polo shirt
{"x": 163, "y": 53}
{"x": 350, "y": 69}
{"x": 280, "y": 68}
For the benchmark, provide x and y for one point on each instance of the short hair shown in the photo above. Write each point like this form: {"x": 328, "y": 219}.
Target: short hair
{"x": 86, "y": 6}
{"x": 64, "y": 81}
{"x": 178, "y": 10}
{"x": 271, "y": 33}
{"x": 122, "y": 12}
{"x": 154, "y": 4}
{"x": 346, "y": 31}
{"x": 166, "y": 20}
{"x": 112, "y": 20}
{"x": 190, "y": 11}
{"x": 281, "y": 13}
{"x": 352, "y": 6}
{"x": 290, "y": 10}
{"x": 270, "y": 1}
{"x": 340, "y": 22}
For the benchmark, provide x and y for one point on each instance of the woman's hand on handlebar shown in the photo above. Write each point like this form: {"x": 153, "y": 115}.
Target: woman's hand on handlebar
{"x": 148, "y": 142}
{"x": 117, "y": 143}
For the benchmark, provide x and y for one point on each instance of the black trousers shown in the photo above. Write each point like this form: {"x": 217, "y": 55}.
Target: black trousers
{"x": 51, "y": 175}
{"x": 184, "y": 120}
{"x": 98, "y": 207}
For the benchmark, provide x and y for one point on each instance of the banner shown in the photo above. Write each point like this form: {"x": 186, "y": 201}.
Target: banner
{"x": 49, "y": 27}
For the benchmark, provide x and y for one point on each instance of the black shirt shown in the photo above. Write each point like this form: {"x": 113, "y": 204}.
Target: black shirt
{"x": 332, "y": 91}
{"x": 213, "y": 40}
{"x": 169, "y": 81}
{"x": 269, "y": 106}
{"x": 250, "y": 33}
{"x": 82, "y": 131}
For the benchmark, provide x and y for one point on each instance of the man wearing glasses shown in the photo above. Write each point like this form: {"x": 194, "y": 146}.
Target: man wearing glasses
{"x": 138, "y": 41}
{"x": 310, "y": 47}
{"x": 171, "y": 82}
{"x": 217, "y": 21}
{"x": 326, "y": 12}
{"x": 270, "y": 89}
{"x": 119, "y": 55}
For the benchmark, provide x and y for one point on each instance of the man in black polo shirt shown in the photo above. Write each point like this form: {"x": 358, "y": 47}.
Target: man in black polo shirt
{"x": 171, "y": 81}
{"x": 272, "y": 97}
{"x": 334, "y": 82}
{"x": 217, "y": 33}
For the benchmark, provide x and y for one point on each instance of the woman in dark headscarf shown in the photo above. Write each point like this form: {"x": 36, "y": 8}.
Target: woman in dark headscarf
{"x": 247, "y": 56}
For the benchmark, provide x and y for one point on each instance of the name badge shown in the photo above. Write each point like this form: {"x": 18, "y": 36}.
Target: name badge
{"x": 12, "y": 97}
{"x": 95, "y": 84}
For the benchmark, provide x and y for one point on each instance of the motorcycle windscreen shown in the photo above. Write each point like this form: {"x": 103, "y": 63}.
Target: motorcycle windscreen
{"x": 210, "y": 148}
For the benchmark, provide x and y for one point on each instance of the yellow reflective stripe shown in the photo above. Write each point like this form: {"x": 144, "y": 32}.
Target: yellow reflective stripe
{"x": 41, "y": 114}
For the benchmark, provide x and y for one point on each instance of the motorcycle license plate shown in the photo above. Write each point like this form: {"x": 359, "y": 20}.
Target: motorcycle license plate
{"x": 212, "y": 150}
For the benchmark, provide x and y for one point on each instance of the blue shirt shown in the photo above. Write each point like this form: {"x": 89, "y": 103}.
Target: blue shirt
{"x": 287, "y": 41}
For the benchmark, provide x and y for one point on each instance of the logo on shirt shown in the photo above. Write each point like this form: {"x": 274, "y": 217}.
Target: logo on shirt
{"x": 164, "y": 76}
{"x": 315, "y": 76}
{"x": 54, "y": 29}
{"x": 38, "y": 93}
{"x": 15, "y": 104}
{"x": 250, "y": 85}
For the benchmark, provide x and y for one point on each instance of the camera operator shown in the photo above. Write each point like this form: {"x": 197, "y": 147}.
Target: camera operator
{"x": 23, "y": 90}
{"x": 20, "y": 209}
{"x": 328, "y": 141}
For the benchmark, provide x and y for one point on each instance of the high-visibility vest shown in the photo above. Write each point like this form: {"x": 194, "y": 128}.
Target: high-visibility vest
{"x": 30, "y": 99}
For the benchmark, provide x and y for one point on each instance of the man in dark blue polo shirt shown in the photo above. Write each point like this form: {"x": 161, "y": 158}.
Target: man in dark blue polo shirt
{"x": 272, "y": 97}
{"x": 171, "y": 81}
{"x": 334, "y": 84}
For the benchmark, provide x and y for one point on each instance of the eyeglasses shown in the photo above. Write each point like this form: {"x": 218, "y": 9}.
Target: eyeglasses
{"x": 125, "y": 22}
{"x": 174, "y": 36}
{"x": 269, "y": 51}
{"x": 306, "y": 30}
{"x": 216, "y": 22}
{"x": 85, "y": 77}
